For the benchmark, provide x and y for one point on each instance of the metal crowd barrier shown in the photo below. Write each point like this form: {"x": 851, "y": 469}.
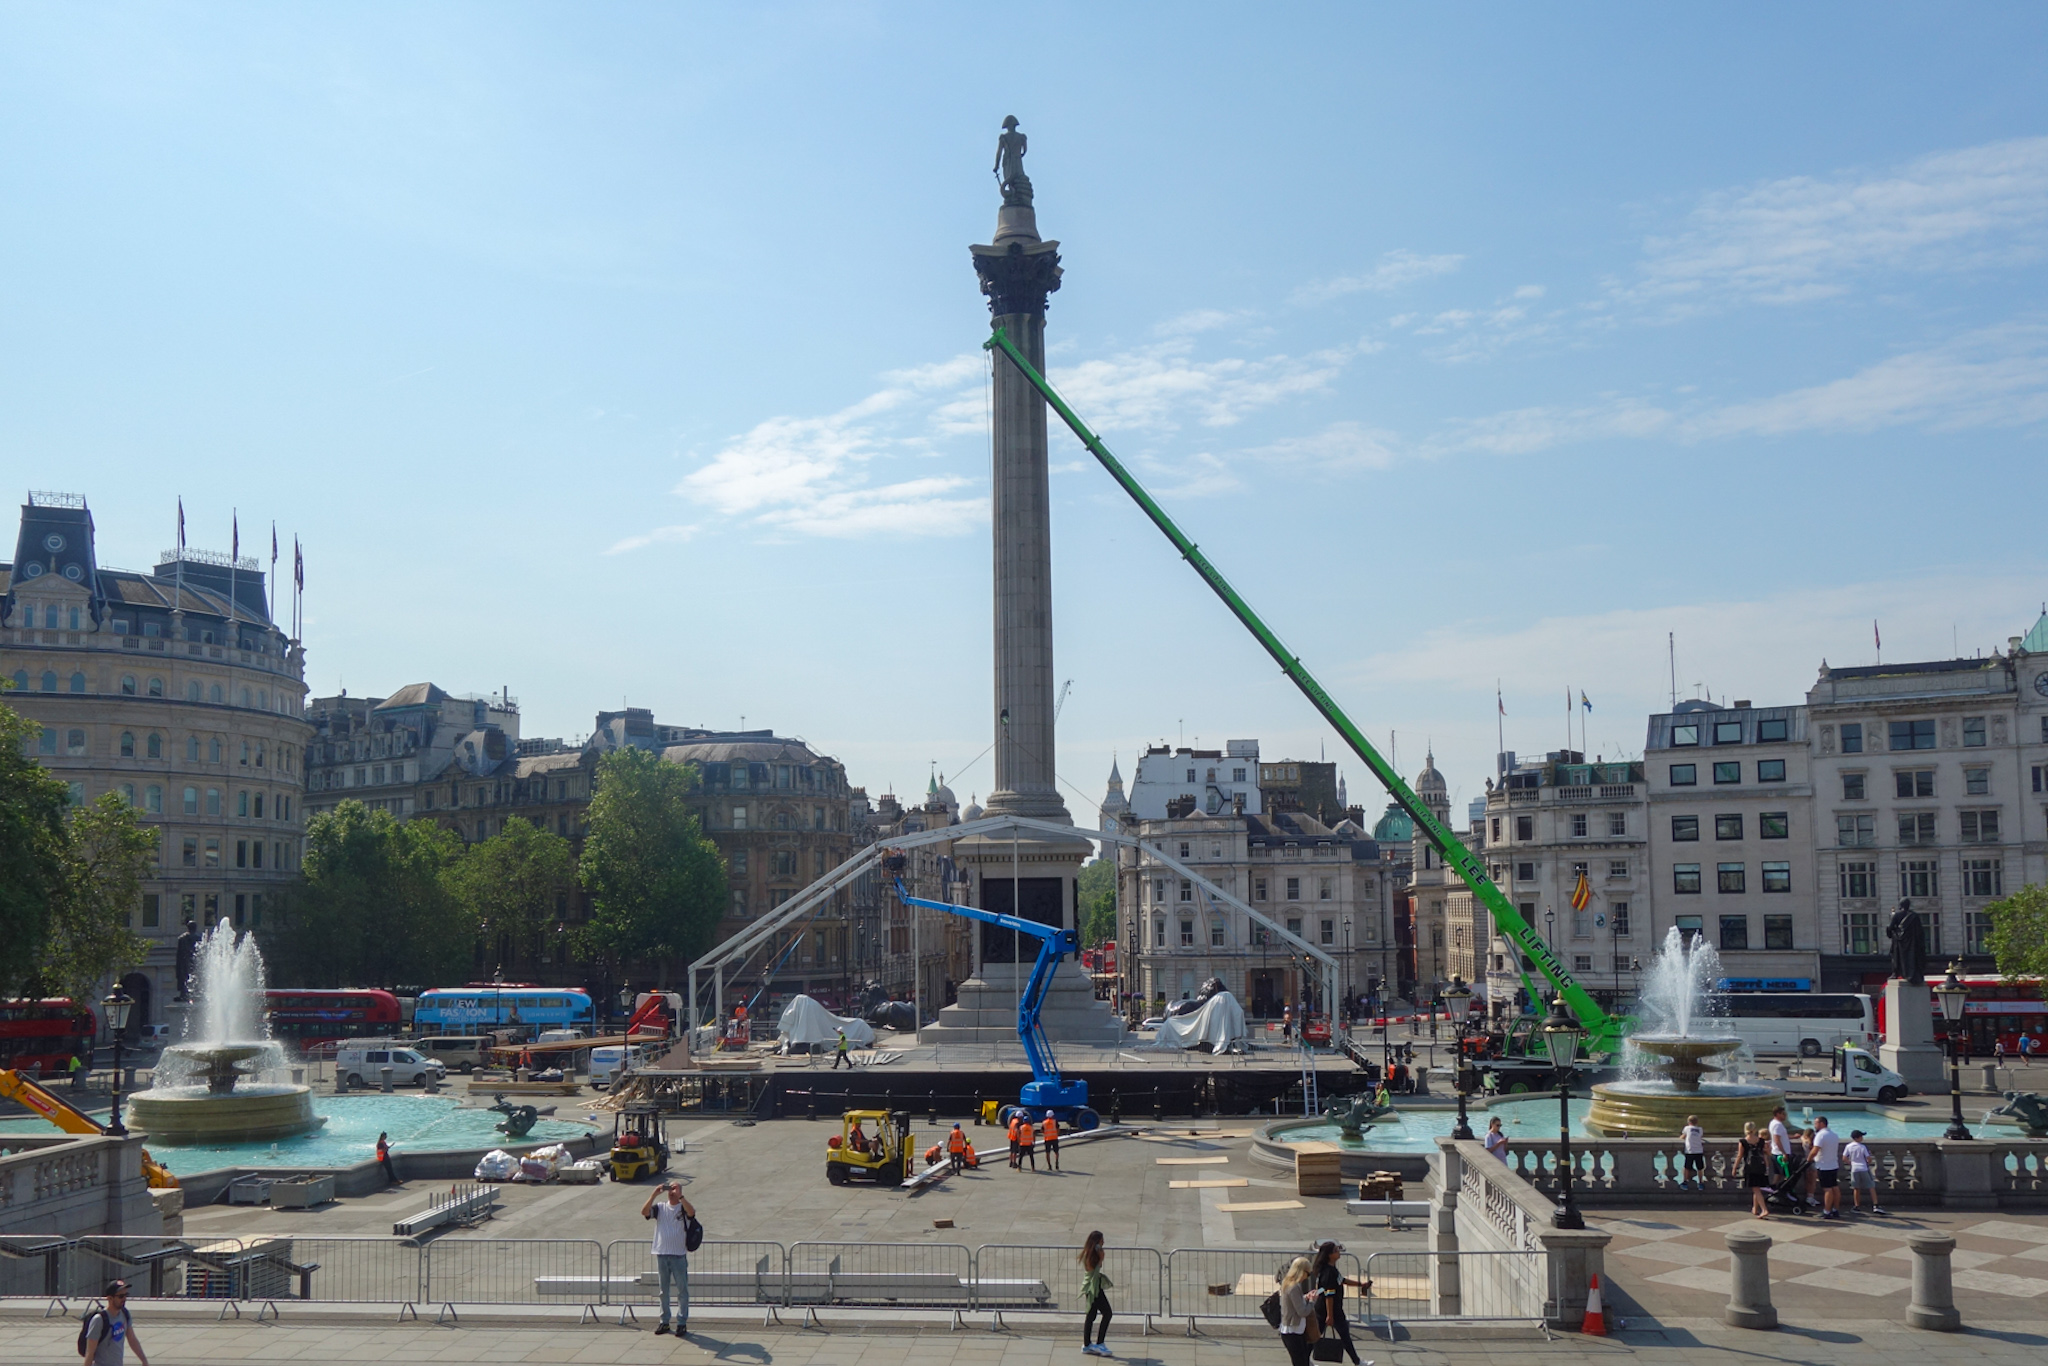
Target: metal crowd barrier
{"x": 1015, "y": 1278}
{"x": 721, "y": 1272}
{"x": 351, "y": 1270}
{"x": 882, "y": 1275}
{"x": 1228, "y": 1283}
{"x": 60, "y": 1269}
{"x": 512, "y": 1271}
{"x": 1504, "y": 1286}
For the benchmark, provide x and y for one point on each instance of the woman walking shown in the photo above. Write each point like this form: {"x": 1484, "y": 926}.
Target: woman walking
{"x": 1751, "y": 1158}
{"x": 1496, "y": 1141}
{"x": 1329, "y": 1285}
{"x": 1094, "y": 1288}
{"x": 1295, "y": 1311}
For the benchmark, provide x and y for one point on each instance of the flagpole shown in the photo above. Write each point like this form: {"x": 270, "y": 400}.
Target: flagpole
{"x": 234, "y": 561}
{"x": 272, "y": 611}
{"x": 1500, "y": 725}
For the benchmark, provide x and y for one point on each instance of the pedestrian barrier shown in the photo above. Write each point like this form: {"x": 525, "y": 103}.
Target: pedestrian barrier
{"x": 61, "y": 1269}
{"x": 721, "y": 1272}
{"x": 1011, "y": 1277}
{"x": 509, "y": 1271}
{"x": 1229, "y": 1283}
{"x": 367, "y": 1270}
{"x": 887, "y": 1275}
{"x": 1467, "y": 1286}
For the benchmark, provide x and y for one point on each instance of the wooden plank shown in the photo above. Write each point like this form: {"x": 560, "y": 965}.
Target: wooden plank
{"x": 1190, "y": 1161}
{"x": 1207, "y": 1185}
{"x": 1248, "y": 1206}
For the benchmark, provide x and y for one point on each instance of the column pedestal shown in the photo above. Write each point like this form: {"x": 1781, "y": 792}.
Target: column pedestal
{"x": 1909, "y": 1048}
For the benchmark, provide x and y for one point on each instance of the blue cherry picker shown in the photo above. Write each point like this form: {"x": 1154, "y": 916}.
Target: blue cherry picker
{"x": 1047, "y": 1090}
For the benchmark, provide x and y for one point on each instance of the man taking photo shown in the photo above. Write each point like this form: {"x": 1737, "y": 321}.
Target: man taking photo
{"x": 671, "y": 1214}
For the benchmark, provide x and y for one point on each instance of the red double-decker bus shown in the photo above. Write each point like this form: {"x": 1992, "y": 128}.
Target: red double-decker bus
{"x": 310, "y": 1018}
{"x": 2000, "y": 1011}
{"x": 41, "y": 1037}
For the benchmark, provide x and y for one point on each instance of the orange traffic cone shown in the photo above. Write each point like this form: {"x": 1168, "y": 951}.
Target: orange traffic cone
{"x": 1596, "y": 1313}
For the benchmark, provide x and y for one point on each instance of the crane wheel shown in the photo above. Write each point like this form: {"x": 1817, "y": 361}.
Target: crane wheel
{"x": 1086, "y": 1119}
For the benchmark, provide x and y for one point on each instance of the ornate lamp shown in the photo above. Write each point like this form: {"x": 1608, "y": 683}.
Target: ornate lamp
{"x": 1562, "y": 1034}
{"x": 1952, "y": 994}
{"x": 1458, "y": 1000}
{"x": 117, "y": 1006}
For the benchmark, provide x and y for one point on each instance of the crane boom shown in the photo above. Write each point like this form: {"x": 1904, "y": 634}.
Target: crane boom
{"x": 1604, "y": 1032}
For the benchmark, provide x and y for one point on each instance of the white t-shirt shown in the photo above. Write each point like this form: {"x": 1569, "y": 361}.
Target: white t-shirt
{"x": 1781, "y": 1139}
{"x": 1858, "y": 1154}
{"x": 1827, "y": 1149}
{"x": 668, "y": 1230}
{"x": 1694, "y": 1137}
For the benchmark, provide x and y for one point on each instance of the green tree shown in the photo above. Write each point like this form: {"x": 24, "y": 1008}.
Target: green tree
{"x": 511, "y": 885}
{"x": 376, "y": 905}
{"x": 108, "y": 853}
{"x": 2019, "y": 934}
{"x": 657, "y": 885}
{"x": 32, "y": 846}
{"x": 1096, "y": 890}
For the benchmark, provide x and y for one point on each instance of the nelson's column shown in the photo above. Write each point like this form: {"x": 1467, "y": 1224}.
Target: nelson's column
{"x": 1032, "y": 877}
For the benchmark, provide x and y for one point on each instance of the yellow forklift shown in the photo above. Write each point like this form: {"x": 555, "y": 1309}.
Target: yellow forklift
{"x": 639, "y": 1143}
{"x": 874, "y": 1145}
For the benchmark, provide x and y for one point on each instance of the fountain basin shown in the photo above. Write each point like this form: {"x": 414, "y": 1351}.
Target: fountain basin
{"x": 254, "y": 1112}
{"x": 1657, "y": 1109}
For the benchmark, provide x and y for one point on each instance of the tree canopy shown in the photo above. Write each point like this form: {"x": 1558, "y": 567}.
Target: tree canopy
{"x": 657, "y": 885}
{"x": 33, "y": 842}
{"x": 2019, "y": 934}
{"x": 108, "y": 855}
{"x": 1096, "y": 891}
{"x": 513, "y": 885}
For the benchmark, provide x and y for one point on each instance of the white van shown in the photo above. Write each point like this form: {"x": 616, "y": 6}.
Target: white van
{"x": 361, "y": 1062}
{"x": 1864, "y": 1075}
{"x": 559, "y": 1036}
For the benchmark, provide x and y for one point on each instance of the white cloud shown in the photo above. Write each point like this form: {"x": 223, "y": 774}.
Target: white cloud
{"x": 1805, "y": 237}
{"x": 1158, "y": 386}
{"x": 1394, "y": 270}
{"x": 1196, "y": 320}
{"x": 1340, "y": 448}
{"x": 659, "y": 536}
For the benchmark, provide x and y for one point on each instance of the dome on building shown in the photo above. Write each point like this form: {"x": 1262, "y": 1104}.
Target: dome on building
{"x": 973, "y": 811}
{"x": 936, "y": 793}
{"x": 1395, "y": 827}
{"x": 1429, "y": 782}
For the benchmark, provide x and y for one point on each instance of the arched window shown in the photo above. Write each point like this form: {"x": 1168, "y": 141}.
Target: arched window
{"x": 213, "y": 750}
{"x": 156, "y": 745}
{"x": 192, "y": 691}
{"x": 50, "y": 617}
{"x": 21, "y": 680}
{"x": 156, "y": 687}
{"x": 192, "y": 748}
{"x": 74, "y": 619}
{"x": 78, "y": 681}
{"x": 128, "y": 685}
{"x": 153, "y": 799}
{"x": 259, "y": 754}
{"x": 259, "y": 806}
{"x": 215, "y": 695}
{"x": 262, "y": 700}
{"x": 128, "y": 744}
{"x": 245, "y": 697}
{"x": 128, "y": 793}
{"x": 74, "y": 742}
{"x": 191, "y": 801}
{"x": 49, "y": 680}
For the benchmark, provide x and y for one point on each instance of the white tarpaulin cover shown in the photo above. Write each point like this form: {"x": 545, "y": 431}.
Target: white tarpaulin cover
{"x": 805, "y": 1021}
{"x": 1219, "y": 1024}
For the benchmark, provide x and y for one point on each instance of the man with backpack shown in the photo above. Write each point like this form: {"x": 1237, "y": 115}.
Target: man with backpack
{"x": 107, "y": 1334}
{"x": 676, "y": 1234}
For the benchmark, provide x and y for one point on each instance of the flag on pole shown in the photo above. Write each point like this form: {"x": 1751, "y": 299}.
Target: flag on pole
{"x": 235, "y": 537}
{"x": 298, "y": 566}
{"x": 181, "y": 522}
{"x": 1582, "y": 895}
{"x": 273, "y": 543}
{"x": 1584, "y": 700}
{"x": 1498, "y": 703}
{"x": 1875, "y": 636}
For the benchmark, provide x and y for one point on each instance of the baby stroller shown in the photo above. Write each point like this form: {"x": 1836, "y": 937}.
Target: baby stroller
{"x": 1787, "y": 1194}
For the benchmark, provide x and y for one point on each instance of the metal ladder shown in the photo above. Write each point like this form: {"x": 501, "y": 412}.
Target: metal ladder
{"x": 1311, "y": 1104}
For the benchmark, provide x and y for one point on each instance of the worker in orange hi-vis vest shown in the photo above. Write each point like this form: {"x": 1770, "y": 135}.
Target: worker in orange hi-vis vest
{"x": 1027, "y": 1141}
{"x": 956, "y": 1148}
{"x": 1051, "y": 1132}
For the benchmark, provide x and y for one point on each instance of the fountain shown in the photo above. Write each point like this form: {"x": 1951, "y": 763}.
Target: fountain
{"x": 224, "y": 1084}
{"x": 1668, "y": 1058}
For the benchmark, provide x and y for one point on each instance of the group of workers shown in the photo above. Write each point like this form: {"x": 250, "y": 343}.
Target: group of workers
{"x": 1025, "y": 1136}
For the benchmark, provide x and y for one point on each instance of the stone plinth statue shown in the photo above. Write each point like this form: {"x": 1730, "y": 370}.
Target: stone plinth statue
{"x": 1009, "y": 167}
{"x": 1908, "y": 934}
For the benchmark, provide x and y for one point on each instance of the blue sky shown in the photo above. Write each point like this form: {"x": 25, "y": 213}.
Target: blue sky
{"x": 631, "y": 352}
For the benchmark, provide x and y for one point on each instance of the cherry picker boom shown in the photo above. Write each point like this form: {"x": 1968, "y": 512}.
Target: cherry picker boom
{"x": 1604, "y": 1032}
{"x": 1047, "y": 1090}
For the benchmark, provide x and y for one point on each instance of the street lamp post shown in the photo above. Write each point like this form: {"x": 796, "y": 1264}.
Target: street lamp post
{"x": 1458, "y": 997}
{"x": 117, "y": 1006}
{"x": 1562, "y": 1033}
{"x": 1952, "y": 994}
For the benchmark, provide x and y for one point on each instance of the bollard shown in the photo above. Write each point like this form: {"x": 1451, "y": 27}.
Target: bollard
{"x": 1934, "y": 1296}
{"x": 1991, "y": 1077}
{"x": 385, "y": 1073}
{"x": 931, "y": 1100}
{"x": 811, "y": 1112}
{"x": 1749, "y": 1281}
{"x": 1116, "y": 1106}
{"x": 340, "y": 1084}
{"x": 1158, "y": 1105}
{"x": 432, "y": 1082}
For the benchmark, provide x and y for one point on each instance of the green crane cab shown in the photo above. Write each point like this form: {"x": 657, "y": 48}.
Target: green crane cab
{"x": 871, "y": 1145}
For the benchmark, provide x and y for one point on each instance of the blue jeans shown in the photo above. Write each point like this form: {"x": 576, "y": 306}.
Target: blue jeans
{"x": 677, "y": 1270}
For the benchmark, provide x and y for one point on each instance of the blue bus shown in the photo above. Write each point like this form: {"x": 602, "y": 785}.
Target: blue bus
{"x": 510, "y": 1005}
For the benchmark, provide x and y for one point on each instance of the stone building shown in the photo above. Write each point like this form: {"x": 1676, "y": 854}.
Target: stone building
{"x": 175, "y": 690}
{"x": 918, "y": 955}
{"x": 1213, "y": 780}
{"x": 1732, "y": 847}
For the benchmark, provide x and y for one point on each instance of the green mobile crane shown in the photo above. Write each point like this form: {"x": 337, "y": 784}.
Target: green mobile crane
{"x": 1604, "y": 1032}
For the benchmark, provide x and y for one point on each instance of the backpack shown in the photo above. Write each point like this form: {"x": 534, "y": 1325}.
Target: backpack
{"x": 693, "y": 1233}
{"x": 1270, "y": 1307}
{"x": 85, "y": 1328}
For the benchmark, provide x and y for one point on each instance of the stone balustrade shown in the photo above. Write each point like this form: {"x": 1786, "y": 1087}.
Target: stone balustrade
{"x": 86, "y": 1184}
{"x": 1479, "y": 1205}
{"x": 1978, "y": 1174}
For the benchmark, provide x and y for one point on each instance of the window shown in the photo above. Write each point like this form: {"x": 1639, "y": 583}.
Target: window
{"x": 1525, "y": 827}
{"x": 1728, "y": 827}
{"x": 1768, "y": 732}
{"x": 1294, "y": 925}
{"x": 1852, "y": 787}
{"x": 1617, "y": 867}
{"x": 1216, "y": 934}
{"x": 47, "y": 742}
{"x": 1258, "y": 889}
{"x": 74, "y": 793}
{"x": 127, "y": 744}
{"x": 1582, "y": 926}
{"x": 1617, "y": 916}
{"x": 212, "y": 859}
{"x": 1770, "y": 770}
{"x": 1685, "y": 829}
{"x": 1983, "y": 877}
{"x": 1685, "y": 879}
{"x": 1973, "y": 732}
{"x": 156, "y": 746}
{"x": 153, "y": 799}
{"x": 1777, "y": 931}
{"x": 1525, "y": 872}
{"x": 1685, "y": 775}
{"x": 128, "y": 685}
{"x": 216, "y": 695}
{"x": 77, "y": 682}
{"x": 128, "y": 794}
{"x": 1187, "y": 934}
{"x": 213, "y": 750}
{"x": 1734, "y": 932}
{"x": 1918, "y": 877}
{"x": 1859, "y": 932}
{"x": 156, "y": 687}
{"x": 1914, "y": 782}
{"x": 1980, "y": 827}
{"x": 1916, "y": 827}
{"x": 1730, "y": 877}
{"x": 1495, "y": 824}
{"x": 1774, "y": 825}
{"x": 739, "y": 818}
{"x": 1187, "y": 891}
{"x": 1184, "y": 849}
{"x": 1777, "y": 877}
{"x": 1582, "y": 962}
{"x": 259, "y": 806}
{"x": 1859, "y": 881}
{"x": 1977, "y": 782}
{"x": 191, "y": 851}
{"x": 1621, "y": 962}
{"x": 1329, "y": 931}
{"x": 152, "y": 913}
{"x": 191, "y": 801}
{"x": 1579, "y": 825}
{"x": 1728, "y": 773}
{"x": 1294, "y": 889}
{"x": 1237, "y": 775}
{"x": 1323, "y": 889}
{"x": 74, "y": 742}
{"x": 1727, "y": 732}
{"x": 1159, "y": 934}
{"x": 1855, "y": 832}
{"x": 1617, "y": 823}
{"x": 784, "y": 863}
{"x": 1912, "y": 735}
{"x": 1685, "y": 735}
